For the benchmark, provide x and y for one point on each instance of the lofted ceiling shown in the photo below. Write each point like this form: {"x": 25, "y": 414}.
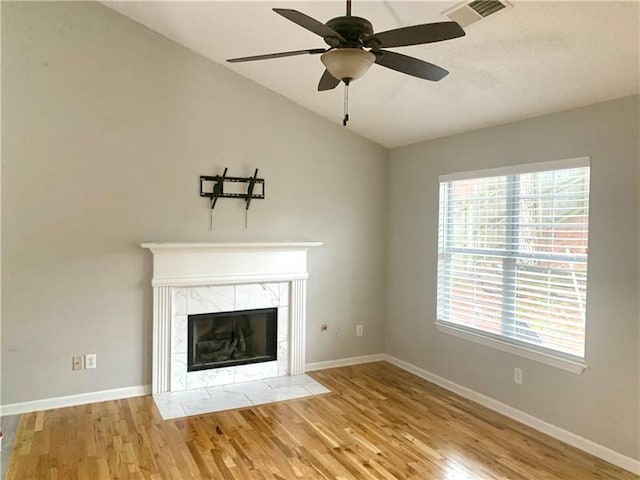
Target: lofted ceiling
{"x": 532, "y": 59}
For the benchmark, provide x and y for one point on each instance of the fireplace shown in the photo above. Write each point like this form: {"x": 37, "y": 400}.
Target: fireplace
{"x": 192, "y": 279}
{"x": 226, "y": 339}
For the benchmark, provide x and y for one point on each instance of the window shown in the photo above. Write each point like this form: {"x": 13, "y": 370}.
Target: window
{"x": 512, "y": 256}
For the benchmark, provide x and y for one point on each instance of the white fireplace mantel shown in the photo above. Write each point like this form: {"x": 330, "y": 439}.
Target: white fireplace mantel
{"x": 197, "y": 264}
{"x": 182, "y": 264}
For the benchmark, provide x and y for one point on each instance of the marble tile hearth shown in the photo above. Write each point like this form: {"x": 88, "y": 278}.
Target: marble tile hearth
{"x": 238, "y": 395}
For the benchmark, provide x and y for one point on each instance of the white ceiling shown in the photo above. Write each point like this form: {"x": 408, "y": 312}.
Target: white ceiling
{"x": 535, "y": 58}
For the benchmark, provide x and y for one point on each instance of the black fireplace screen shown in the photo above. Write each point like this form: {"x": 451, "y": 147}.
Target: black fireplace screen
{"x": 225, "y": 339}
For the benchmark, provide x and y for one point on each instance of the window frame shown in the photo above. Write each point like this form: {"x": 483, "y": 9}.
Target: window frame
{"x": 507, "y": 344}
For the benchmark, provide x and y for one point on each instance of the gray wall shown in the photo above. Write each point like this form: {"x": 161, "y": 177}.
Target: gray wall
{"x": 106, "y": 129}
{"x": 602, "y": 404}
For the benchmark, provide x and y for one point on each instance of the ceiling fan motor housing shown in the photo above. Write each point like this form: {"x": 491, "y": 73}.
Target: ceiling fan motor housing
{"x": 352, "y": 29}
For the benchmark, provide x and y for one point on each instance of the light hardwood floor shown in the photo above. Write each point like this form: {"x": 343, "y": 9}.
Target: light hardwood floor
{"x": 379, "y": 422}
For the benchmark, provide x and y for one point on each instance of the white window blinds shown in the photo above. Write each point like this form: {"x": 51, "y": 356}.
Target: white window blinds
{"x": 512, "y": 254}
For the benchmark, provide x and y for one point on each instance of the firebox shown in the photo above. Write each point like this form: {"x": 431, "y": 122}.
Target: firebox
{"x": 225, "y": 339}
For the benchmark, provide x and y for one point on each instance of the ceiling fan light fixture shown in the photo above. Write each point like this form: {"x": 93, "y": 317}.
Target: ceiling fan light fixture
{"x": 347, "y": 64}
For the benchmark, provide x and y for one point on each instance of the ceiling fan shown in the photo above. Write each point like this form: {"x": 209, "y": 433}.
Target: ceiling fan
{"x": 354, "y": 47}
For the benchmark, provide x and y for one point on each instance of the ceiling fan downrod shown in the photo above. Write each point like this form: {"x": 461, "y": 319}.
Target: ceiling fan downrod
{"x": 348, "y": 8}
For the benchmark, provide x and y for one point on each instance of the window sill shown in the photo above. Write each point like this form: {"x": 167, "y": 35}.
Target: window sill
{"x": 552, "y": 360}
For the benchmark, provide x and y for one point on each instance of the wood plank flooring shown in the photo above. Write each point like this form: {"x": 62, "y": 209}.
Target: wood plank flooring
{"x": 379, "y": 422}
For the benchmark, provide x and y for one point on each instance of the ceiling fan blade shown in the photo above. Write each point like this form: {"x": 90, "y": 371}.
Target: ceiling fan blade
{"x": 327, "y": 82}
{"x": 417, "y": 34}
{"x": 311, "y": 24}
{"x": 267, "y": 56}
{"x": 410, "y": 65}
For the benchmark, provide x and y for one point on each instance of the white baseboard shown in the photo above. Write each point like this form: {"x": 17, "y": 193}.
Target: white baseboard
{"x": 73, "y": 400}
{"x": 345, "y": 362}
{"x": 558, "y": 433}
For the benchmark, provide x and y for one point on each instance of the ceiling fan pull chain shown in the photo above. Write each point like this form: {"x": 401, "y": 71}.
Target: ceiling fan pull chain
{"x": 346, "y": 105}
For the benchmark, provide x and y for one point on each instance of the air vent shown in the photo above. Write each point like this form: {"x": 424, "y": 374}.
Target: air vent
{"x": 467, "y": 13}
{"x": 486, "y": 7}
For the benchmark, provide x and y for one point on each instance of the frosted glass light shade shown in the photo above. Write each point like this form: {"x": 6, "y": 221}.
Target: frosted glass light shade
{"x": 347, "y": 63}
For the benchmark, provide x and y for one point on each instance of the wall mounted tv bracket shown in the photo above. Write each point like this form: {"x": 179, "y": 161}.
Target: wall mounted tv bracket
{"x": 214, "y": 188}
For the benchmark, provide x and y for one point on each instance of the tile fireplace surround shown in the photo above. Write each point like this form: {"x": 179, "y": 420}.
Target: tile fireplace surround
{"x": 193, "y": 278}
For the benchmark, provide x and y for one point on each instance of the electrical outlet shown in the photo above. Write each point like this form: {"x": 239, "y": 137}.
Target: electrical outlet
{"x": 517, "y": 376}
{"x": 359, "y": 330}
{"x": 78, "y": 363}
{"x": 90, "y": 360}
